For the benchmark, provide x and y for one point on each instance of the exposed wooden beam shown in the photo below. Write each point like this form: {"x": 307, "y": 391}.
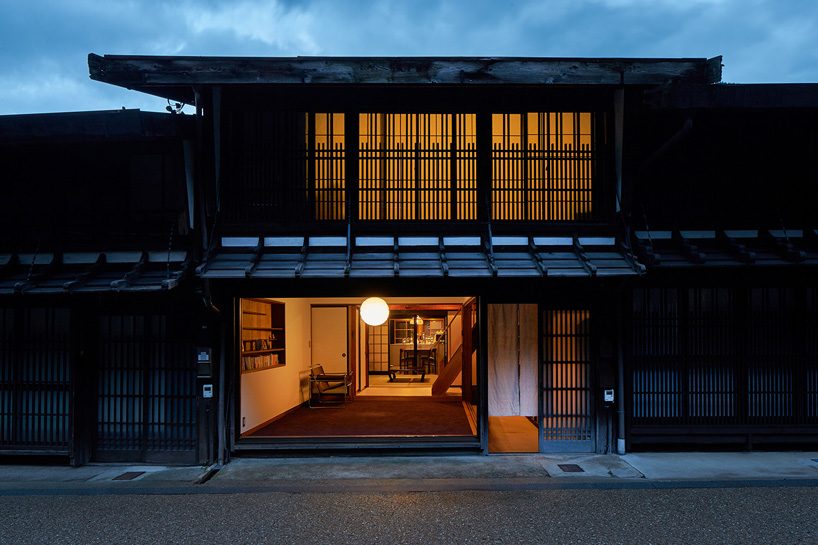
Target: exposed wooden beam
{"x": 429, "y": 306}
{"x": 154, "y": 72}
{"x": 687, "y": 95}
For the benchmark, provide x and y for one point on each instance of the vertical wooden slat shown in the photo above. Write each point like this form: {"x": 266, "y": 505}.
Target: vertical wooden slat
{"x": 566, "y": 376}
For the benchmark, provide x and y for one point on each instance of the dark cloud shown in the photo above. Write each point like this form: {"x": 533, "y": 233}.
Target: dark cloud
{"x": 45, "y": 42}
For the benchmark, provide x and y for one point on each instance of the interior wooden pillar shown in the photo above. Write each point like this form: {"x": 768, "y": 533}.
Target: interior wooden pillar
{"x": 466, "y": 354}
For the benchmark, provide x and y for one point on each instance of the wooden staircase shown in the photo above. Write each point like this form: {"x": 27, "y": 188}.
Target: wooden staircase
{"x": 450, "y": 371}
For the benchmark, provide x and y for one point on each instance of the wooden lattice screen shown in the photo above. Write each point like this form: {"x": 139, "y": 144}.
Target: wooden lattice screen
{"x": 285, "y": 167}
{"x": 35, "y": 379}
{"x": 543, "y": 166}
{"x": 724, "y": 356}
{"x": 417, "y": 167}
{"x": 566, "y": 377}
{"x": 146, "y": 387}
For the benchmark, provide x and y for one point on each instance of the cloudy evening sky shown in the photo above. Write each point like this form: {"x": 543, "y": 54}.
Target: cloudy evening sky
{"x": 45, "y": 42}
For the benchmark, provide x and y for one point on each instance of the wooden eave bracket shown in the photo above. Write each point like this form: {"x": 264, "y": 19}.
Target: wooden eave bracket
{"x": 255, "y": 258}
{"x": 131, "y": 275}
{"x": 395, "y": 258}
{"x": 201, "y": 269}
{"x": 738, "y": 249}
{"x": 579, "y": 251}
{"x": 299, "y": 267}
{"x": 627, "y": 254}
{"x": 689, "y": 250}
{"x": 32, "y": 279}
{"x": 490, "y": 255}
{"x": 176, "y": 277}
{"x": 444, "y": 265}
{"x": 646, "y": 252}
{"x": 92, "y": 271}
{"x": 785, "y": 248}
{"x": 535, "y": 256}
{"x": 348, "y": 263}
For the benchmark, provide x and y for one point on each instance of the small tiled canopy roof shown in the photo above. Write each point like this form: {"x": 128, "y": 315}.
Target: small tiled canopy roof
{"x": 417, "y": 257}
{"x": 713, "y": 248}
{"x": 91, "y": 272}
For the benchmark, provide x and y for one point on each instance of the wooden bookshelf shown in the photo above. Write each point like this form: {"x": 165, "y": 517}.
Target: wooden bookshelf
{"x": 262, "y": 335}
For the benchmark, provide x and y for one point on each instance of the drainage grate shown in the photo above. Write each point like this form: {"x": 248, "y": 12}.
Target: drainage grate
{"x": 128, "y": 476}
{"x": 571, "y": 468}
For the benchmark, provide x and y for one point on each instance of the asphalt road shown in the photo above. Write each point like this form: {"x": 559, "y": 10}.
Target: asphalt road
{"x": 756, "y": 515}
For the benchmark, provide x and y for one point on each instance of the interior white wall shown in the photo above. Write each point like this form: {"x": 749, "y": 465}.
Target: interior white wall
{"x": 271, "y": 392}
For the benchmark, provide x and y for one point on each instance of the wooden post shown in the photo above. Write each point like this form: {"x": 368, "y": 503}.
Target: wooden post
{"x": 619, "y": 136}
{"x": 351, "y": 132}
{"x": 483, "y": 169}
{"x": 466, "y": 376}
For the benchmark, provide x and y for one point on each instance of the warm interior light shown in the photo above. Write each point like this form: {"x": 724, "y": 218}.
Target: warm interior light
{"x": 419, "y": 320}
{"x": 374, "y": 311}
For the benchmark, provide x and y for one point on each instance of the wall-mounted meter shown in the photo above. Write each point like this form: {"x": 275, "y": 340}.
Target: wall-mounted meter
{"x": 207, "y": 391}
{"x": 204, "y": 360}
{"x": 608, "y": 396}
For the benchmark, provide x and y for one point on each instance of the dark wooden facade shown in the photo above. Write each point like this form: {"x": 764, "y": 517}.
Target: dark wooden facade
{"x": 672, "y": 216}
{"x": 98, "y": 312}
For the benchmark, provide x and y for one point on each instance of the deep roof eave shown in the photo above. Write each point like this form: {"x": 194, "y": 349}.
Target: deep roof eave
{"x": 151, "y": 73}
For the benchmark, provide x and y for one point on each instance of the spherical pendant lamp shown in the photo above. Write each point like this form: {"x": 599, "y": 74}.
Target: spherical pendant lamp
{"x": 374, "y": 311}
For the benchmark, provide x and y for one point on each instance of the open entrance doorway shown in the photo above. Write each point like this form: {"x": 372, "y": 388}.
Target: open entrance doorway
{"x": 310, "y": 368}
{"x": 513, "y": 378}
{"x": 539, "y": 379}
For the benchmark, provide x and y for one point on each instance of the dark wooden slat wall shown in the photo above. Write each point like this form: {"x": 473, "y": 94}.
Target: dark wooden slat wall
{"x": 35, "y": 379}
{"x": 265, "y": 167}
{"x": 734, "y": 359}
{"x": 146, "y": 402}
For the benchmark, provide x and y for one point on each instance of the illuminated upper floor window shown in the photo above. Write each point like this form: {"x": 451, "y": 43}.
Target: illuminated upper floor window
{"x": 417, "y": 167}
{"x": 542, "y": 166}
{"x": 326, "y": 173}
{"x": 296, "y": 167}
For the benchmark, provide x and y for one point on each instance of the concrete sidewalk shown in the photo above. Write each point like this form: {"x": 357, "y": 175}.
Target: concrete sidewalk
{"x": 412, "y": 471}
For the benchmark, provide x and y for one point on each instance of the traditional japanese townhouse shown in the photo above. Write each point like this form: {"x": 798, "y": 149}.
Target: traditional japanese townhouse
{"x": 480, "y": 198}
{"x": 97, "y": 311}
{"x": 585, "y": 255}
